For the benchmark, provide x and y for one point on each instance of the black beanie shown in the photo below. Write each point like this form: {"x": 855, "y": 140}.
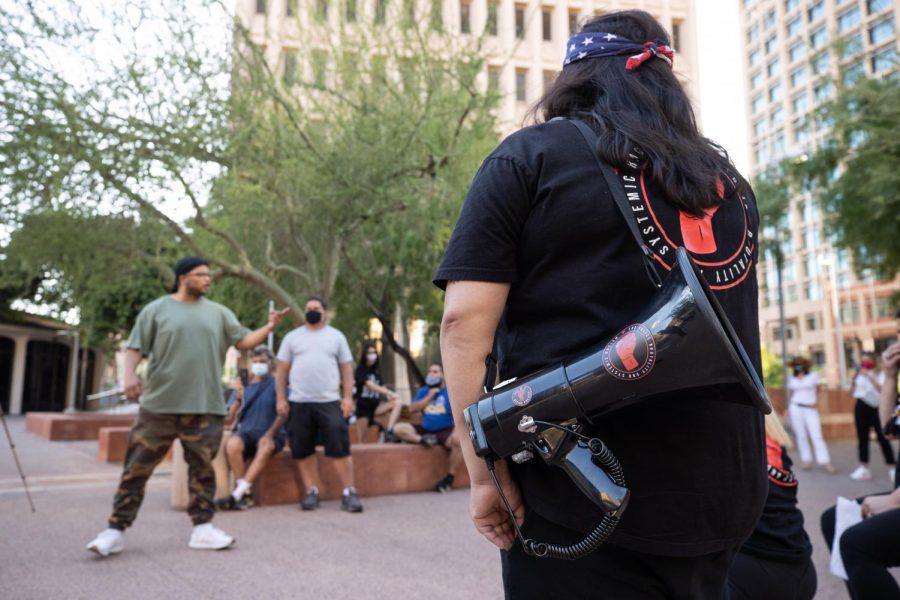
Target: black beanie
{"x": 186, "y": 265}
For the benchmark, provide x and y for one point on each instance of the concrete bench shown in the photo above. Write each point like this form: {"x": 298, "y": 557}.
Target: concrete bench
{"x": 378, "y": 469}
{"x": 112, "y": 445}
{"x": 69, "y": 427}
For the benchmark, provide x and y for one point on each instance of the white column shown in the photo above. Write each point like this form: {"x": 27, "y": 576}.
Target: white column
{"x": 17, "y": 385}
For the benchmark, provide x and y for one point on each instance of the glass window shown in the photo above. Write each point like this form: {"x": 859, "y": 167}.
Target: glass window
{"x": 757, "y": 104}
{"x": 493, "y": 79}
{"x": 794, "y": 26}
{"x": 759, "y": 128}
{"x": 774, "y": 68}
{"x": 380, "y": 11}
{"x": 798, "y": 77}
{"x": 520, "y": 86}
{"x": 769, "y": 19}
{"x": 790, "y": 5}
{"x": 755, "y": 80}
{"x": 874, "y": 6}
{"x": 754, "y": 57}
{"x": 800, "y": 103}
{"x": 753, "y": 34}
{"x": 775, "y": 93}
{"x": 350, "y": 11}
{"x": 491, "y": 24}
{"x": 290, "y": 9}
{"x": 435, "y": 15}
{"x": 260, "y": 7}
{"x": 884, "y": 60}
{"x": 797, "y": 51}
{"x": 520, "y": 21}
{"x": 573, "y": 21}
{"x": 322, "y": 9}
{"x": 801, "y": 131}
{"x": 848, "y": 20}
{"x": 777, "y": 116}
{"x": 771, "y": 45}
{"x": 465, "y": 17}
{"x": 819, "y": 37}
{"x": 549, "y": 78}
{"x": 816, "y": 11}
{"x": 854, "y": 73}
{"x": 289, "y": 72}
{"x": 761, "y": 154}
{"x": 823, "y": 90}
{"x": 820, "y": 63}
{"x": 547, "y": 25}
{"x": 881, "y": 31}
{"x": 853, "y": 45}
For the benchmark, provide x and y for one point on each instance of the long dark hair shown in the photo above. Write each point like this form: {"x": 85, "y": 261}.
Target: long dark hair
{"x": 647, "y": 108}
{"x": 374, "y": 367}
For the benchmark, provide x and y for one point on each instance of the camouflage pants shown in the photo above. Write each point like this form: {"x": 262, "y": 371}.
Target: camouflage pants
{"x": 148, "y": 443}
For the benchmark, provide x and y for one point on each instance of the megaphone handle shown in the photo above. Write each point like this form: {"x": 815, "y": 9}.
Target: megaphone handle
{"x": 591, "y": 541}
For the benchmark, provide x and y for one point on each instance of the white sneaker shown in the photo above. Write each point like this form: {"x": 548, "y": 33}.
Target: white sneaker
{"x": 861, "y": 474}
{"x": 109, "y": 541}
{"x": 209, "y": 537}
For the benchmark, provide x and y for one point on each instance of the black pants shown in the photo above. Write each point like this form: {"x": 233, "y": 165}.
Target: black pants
{"x": 866, "y": 419}
{"x": 609, "y": 572}
{"x": 868, "y": 549}
{"x": 754, "y": 578}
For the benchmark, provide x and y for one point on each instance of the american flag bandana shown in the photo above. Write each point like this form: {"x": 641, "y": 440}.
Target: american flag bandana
{"x": 599, "y": 44}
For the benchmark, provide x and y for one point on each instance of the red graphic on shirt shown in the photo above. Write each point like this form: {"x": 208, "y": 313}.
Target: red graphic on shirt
{"x": 625, "y": 349}
{"x": 697, "y": 232}
{"x": 779, "y": 474}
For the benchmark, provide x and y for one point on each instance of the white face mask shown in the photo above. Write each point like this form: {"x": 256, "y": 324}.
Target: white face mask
{"x": 371, "y": 358}
{"x": 259, "y": 369}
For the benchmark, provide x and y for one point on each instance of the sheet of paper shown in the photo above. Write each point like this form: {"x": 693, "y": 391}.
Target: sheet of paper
{"x": 847, "y": 514}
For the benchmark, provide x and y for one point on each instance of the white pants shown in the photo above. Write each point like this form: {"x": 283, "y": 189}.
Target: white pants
{"x": 805, "y": 421}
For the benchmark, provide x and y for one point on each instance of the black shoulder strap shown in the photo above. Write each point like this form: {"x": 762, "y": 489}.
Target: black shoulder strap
{"x": 618, "y": 193}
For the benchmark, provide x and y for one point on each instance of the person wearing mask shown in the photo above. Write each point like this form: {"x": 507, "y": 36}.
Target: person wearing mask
{"x": 258, "y": 432}
{"x": 314, "y": 390}
{"x": 867, "y": 392}
{"x": 436, "y": 427}
{"x": 775, "y": 563}
{"x": 542, "y": 266}
{"x": 184, "y": 337}
{"x": 803, "y": 396}
{"x": 369, "y": 391}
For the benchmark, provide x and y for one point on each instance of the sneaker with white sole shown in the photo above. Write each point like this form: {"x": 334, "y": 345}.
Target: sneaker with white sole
{"x": 209, "y": 537}
{"x": 861, "y": 473}
{"x": 109, "y": 541}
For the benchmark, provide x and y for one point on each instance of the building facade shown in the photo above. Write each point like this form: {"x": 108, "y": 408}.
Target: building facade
{"x": 524, "y": 41}
{"x": 790, "y": 64}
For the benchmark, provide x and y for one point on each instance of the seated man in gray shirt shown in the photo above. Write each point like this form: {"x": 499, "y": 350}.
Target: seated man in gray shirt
{"x": 315, "y": 365}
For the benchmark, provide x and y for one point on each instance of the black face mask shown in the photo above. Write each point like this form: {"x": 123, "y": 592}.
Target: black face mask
{"x": 798, "y": 371}
{"x": 313, "y": 317}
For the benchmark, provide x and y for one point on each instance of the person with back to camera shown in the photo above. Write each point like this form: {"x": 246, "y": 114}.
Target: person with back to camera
{"x": 542, "y": 261}
{"x": 803, "y": 396}
{"x": 866, "y": 390}
{"x": 775, "y": 563}
{"x": 369, "y": 391}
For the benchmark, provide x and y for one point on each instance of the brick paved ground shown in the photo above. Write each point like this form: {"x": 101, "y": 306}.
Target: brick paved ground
{"x": 409, "y": 546}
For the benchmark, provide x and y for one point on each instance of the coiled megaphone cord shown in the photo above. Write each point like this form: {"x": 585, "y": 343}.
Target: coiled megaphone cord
{"x": 595, "y": 538}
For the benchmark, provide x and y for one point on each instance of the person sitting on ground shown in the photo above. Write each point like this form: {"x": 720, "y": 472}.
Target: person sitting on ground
{"x": 372, "y": 398}
{"x": 259, "y": 431}
{"x": 437, "y": 422}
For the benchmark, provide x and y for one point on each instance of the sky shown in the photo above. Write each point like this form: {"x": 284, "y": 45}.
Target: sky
{"x": 722, "y": 96}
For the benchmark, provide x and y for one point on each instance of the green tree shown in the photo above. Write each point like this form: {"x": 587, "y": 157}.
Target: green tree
{"x": 856, "y": 172}
{"x": 355, "y": 150}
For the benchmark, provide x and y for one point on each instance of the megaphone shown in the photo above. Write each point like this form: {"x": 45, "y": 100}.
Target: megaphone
{"x": 545, "y": 413}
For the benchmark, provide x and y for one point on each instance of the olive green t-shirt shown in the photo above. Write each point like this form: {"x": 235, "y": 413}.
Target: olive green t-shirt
{"x": 185, "y": 345}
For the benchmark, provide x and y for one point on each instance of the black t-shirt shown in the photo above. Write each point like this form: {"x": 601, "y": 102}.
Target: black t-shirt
{"x": 540, "y": 216}
{"x": 779, "y": 536}
{"x": 361, "y": 393}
